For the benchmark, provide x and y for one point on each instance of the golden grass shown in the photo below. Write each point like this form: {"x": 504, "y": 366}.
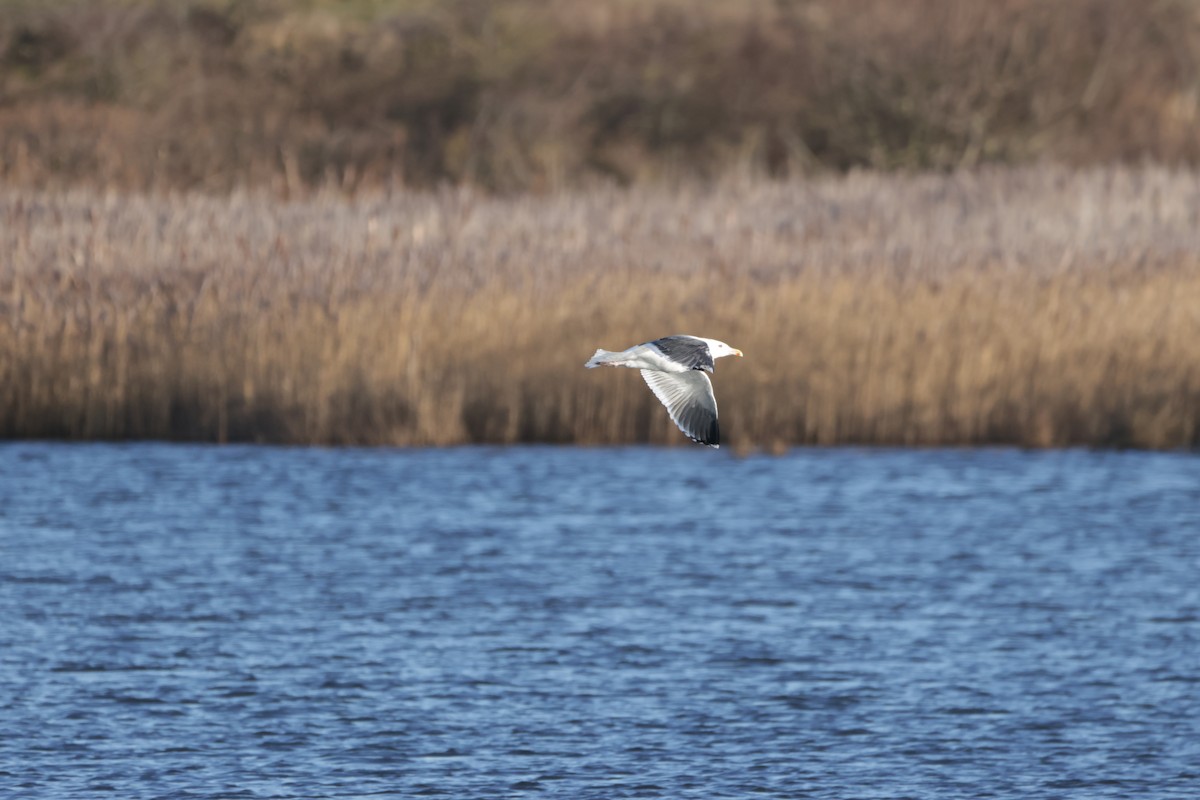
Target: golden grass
{"x": 1034, "y": 306}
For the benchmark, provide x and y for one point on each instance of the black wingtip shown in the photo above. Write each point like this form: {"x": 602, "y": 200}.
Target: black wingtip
{"x": 710, "y": 439}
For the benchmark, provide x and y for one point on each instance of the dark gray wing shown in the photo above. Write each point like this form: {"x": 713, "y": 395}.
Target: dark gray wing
{"x": 689, "y": 351}
{"x": 689, "y": 399}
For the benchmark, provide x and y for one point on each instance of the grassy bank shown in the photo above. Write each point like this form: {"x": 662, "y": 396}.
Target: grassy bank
{"x": 547, "y": 94}
{"x": 1040, "y": 307}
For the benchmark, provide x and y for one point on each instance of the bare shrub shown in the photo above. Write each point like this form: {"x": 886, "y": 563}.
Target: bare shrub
{"x": 525, "y": 94}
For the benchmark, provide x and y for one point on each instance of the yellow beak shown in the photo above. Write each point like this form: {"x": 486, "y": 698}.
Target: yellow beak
{"x": 739, "y": 353}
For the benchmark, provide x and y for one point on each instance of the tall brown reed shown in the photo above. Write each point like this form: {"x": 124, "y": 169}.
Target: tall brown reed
{"x": 1038, "y": 307}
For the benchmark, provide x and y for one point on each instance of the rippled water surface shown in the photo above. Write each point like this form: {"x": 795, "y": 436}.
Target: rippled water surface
{"x": 479, "y": 623}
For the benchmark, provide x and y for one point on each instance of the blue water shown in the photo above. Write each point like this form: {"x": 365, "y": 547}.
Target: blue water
{"x": 535, "y": 622}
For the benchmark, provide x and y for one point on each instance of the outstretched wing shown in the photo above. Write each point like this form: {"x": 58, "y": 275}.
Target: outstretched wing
{"x": 689, "y": 399}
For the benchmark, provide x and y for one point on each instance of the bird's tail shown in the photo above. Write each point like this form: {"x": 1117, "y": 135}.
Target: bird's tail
{"x": 601, "y": 358}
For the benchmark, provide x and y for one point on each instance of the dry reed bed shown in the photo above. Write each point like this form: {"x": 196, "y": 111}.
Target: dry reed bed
{"x": 1040, "y": 307}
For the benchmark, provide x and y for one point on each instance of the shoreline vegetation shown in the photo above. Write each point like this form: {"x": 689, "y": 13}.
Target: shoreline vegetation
{"x": 410, "y": 222}
{"x": 1038, "y": 306}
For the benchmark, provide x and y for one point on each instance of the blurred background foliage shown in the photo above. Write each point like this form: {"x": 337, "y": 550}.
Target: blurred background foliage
{"x": 515, "y": 95}
{"x": 925, "y": 221}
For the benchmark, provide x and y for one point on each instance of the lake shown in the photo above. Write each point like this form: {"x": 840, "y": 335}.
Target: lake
{"x": 195, "y": 621}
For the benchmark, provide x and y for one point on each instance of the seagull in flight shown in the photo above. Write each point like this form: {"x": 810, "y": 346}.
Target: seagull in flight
{"x": 673, "y": 367}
